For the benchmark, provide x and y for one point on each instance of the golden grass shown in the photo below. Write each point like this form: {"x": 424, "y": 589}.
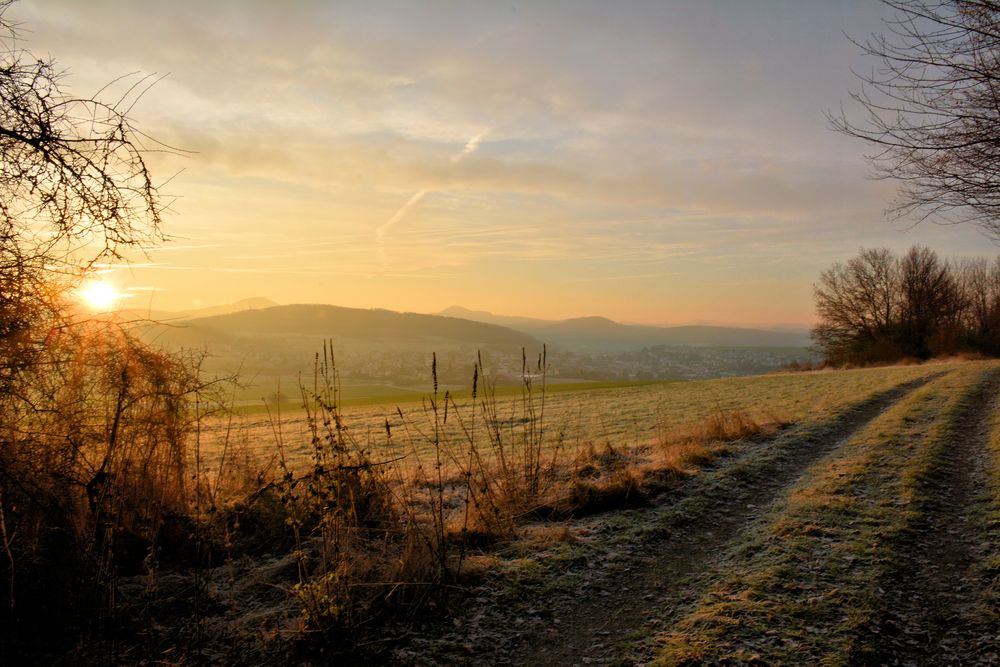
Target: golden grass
{"x": 383, "y": 506}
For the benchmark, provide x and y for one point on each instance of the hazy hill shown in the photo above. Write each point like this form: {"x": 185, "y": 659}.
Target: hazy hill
{"x": 275, "y": 345}
{"x": 371, "y": 326}
{"x": 595, "y": 333}
{"x": 254, "y": 303}
{"x": 525, "y": 324}
{"x": 380, "y": 346}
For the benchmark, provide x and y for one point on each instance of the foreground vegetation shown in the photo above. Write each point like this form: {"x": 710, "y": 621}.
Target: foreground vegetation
{"x": 839, "y": 517}
{"x": 336, "y": 536}
{"x": 866, "y": 539}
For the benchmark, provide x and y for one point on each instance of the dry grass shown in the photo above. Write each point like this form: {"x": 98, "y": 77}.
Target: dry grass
{"x": 476, "y": 469}
{"x": 381, "y": 525}
{"x": 93, "y": 476}
{"x": 627, "y": 417}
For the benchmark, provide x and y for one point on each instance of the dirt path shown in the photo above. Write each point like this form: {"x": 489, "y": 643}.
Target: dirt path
{"x": 654, "y": 581}
{"x": 935, "y": 615}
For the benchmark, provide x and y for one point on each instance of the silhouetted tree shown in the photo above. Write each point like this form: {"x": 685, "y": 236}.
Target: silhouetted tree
{"x": 979, "y": 282}
{"x": 74, "y": 190}
{"x": 930, "y": 304}
{"x": 933, "y": 109}
{"x": 859, "y": 306}
{"x": 878, "y": 307}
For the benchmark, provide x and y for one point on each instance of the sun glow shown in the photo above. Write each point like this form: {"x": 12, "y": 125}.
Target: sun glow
{"x": 99, "y": 295}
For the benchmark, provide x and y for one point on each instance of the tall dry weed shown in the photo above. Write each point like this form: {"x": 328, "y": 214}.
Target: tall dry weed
{"x": 361, "y": 548}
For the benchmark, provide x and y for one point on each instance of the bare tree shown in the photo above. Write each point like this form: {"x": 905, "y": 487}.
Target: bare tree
{"x": 858, "y": 304}
{"x": 74, "y": 189}
{"x": 932, "y": 109}
{"x": 931, "y": 304}
{"x": 878, "y": 307}
{"x": 978, "y": 280}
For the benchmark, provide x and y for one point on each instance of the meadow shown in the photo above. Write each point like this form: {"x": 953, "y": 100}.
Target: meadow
{"x": 577, "y": 416}
{"x": 667, "y": 522}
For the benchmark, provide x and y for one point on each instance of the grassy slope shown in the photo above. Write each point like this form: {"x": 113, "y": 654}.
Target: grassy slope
{"x": 807, "y": 585}
{"x": 625, "y": 415}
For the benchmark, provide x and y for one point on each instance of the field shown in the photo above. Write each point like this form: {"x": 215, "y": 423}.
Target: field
{"x": 576, "y": 415}
{"x": 839, "y": 517}
{"x": 827, "y": 532}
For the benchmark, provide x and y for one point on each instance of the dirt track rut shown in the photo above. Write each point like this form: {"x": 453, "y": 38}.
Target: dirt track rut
{"x": 661, "y": 577}
{"x": 935, "y": 615}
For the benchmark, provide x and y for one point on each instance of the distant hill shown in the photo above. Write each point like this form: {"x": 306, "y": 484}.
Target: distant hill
{"x": 525, "y": 324}
{"x": 595, "y": 333}
{"x": 277, "y": 344}
{"x": 294, "y": 332}
{"x": 274, "y": 346}
{"x": 370, "y": 326}
{"x": 255, "y": 303}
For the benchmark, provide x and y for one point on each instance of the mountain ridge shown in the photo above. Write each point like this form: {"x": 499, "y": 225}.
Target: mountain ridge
{"x": 595, "y": 331}
{"x": 373, "y": 325}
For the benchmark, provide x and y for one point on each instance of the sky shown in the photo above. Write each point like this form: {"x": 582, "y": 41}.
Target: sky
{"x": 652, "y": 162}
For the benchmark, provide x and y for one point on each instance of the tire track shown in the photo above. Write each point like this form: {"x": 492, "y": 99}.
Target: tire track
{"x": 934, "y": 608}
{"x": 671, "y": 570}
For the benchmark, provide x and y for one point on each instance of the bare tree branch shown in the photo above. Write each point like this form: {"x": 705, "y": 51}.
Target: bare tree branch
{"x": 932, "y": 110}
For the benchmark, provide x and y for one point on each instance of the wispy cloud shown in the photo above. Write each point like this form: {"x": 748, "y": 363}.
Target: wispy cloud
{"x": 189, "y": 246}
{"x": 471, "y": 146}
{"x": 631, "y": 276}
{"x": 396, "y": 218}
{"x": 594, "y": 151}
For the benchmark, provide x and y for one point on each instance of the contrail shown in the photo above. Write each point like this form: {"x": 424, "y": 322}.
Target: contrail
{"x": 471, "y": 146}
{"x": 398, "y": 215}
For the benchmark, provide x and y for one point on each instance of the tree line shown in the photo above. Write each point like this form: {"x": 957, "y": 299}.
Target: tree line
{"x": 880, "y": 307}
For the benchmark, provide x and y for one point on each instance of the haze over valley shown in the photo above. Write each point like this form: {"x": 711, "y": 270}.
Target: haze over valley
{"x": 387, "y": 352}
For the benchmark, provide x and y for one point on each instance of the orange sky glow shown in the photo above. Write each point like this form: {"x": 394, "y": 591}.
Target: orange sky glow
{"x": 649, "y": 162}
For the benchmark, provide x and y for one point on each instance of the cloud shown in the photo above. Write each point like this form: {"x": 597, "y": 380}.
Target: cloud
{"x": 351, "y": 138}
{"x": 396, "y": 217}
{"x": 470, "y": 147}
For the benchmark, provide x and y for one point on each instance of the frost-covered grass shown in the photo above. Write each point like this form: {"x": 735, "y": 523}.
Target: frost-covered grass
{"x": 575, "y": 419}
{"x": 807, "y": 586}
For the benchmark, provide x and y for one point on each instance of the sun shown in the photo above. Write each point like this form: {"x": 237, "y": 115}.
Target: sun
{"x": 99, "y": 295}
